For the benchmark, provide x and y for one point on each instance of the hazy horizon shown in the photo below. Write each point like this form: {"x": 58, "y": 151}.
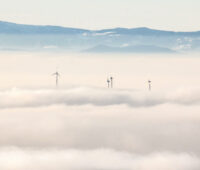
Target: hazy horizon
{"x": 75, "y": 69}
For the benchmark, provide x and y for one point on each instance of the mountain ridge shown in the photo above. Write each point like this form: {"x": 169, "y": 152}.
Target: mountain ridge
{"x": 37, "y": 37}
{"x": 14, "y": 28}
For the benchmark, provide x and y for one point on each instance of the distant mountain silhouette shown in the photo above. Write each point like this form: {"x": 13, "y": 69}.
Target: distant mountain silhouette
{"x": 148, "y": 32}
{"x": 36, "y": 37}
{"x": 13, "y": 28}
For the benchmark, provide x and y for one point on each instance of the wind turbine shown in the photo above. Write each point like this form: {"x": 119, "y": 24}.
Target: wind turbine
{"x": 108, "y": 81}
{"x": 111, "y": 80}
{"x": 149, "y": 85}
{"x": 57, "y": 75}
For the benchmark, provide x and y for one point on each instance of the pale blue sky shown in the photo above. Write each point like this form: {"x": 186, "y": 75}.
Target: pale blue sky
{"x": 178, "y": 15}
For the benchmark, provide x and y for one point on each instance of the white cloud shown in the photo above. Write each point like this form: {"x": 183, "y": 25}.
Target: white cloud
{"x": 94, "y": 128}
{"x": 95, "y": 96}
{"x": 23, "y": 159}
{"x": 140, "y": 130}
{"x": 103, "y": 33}
{"x": 50, "y": 47}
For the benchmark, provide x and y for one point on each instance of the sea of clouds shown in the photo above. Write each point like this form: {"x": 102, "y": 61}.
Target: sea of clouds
{"x": 14, "y": 158}
{"x": 95, "y": 96}
{"x": 90, "y": 128}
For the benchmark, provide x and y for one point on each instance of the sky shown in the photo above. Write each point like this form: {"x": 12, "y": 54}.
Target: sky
{"x": 177, "y": 15}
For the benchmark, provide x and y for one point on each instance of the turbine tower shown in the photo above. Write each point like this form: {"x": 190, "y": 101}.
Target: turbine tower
{"x": 57, "y": 75}
{"x": 111, "y": 80}
{"x": 149, "y": 85}
{"x": 108, "y": 81}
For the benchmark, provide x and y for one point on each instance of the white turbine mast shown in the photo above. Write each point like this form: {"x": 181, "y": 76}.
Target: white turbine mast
{"x": 149, "y": 81}
{"x": 108, "y": 81}
{"x": 111, "y": 80}
{"x": 57, "y": 75}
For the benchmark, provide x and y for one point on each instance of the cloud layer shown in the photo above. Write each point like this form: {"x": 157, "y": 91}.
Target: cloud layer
{"x": 104, "y": 159}
{"x": 91, "y": 128}
{"x": 94, "y": 96}
{"x": 139, "y": 130}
